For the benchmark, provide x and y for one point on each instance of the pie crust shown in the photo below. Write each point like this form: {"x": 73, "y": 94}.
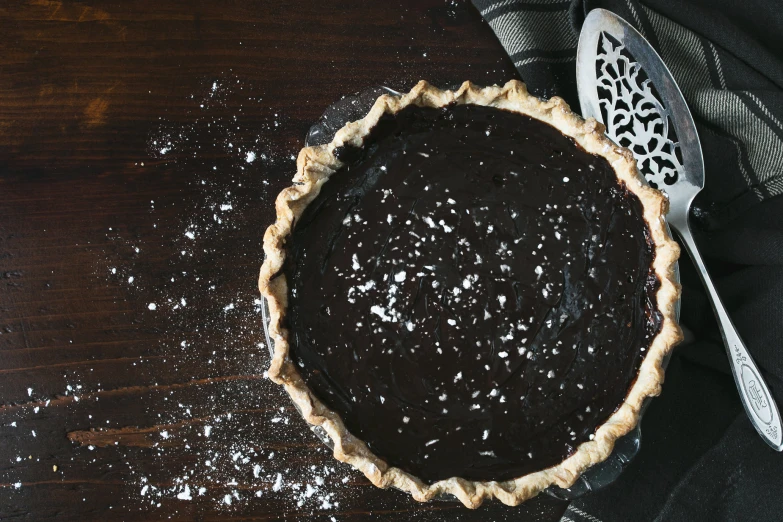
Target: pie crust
{"x": 314, "y": 167}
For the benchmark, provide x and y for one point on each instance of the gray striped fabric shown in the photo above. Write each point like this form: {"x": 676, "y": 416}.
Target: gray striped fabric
{"x": 738, "y": 110}
{"x": 540, "y": 39}
{"x": 719, "y": 107}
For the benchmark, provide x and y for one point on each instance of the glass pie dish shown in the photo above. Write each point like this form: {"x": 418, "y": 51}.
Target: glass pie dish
{"x": 352, "y": 108}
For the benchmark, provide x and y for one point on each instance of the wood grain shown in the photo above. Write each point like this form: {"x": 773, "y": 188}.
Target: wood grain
{"x": 124, "y": 125}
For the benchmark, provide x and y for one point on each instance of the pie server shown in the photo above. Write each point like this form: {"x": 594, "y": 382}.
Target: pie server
{"x": 624, "y": 84}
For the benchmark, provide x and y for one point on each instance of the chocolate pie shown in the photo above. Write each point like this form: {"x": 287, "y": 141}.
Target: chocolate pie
{"x": 471, "y": 292}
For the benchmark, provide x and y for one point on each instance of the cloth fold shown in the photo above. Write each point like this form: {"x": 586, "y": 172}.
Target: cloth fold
{"x": 700, "y": 457}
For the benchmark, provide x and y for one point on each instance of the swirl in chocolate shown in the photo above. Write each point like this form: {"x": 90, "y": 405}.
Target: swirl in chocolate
{"x": 471, "y": 293}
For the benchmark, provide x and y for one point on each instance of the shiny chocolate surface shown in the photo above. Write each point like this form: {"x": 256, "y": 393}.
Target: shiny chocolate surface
{"x": 472, "y": 293}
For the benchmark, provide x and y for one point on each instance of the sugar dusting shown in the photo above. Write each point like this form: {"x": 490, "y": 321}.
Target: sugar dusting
{"x": 233, "y": 438}
{"x": 233, "y": 462}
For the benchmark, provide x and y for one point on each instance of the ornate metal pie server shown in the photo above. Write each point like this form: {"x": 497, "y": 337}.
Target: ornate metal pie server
{"x": 624, "y": 84}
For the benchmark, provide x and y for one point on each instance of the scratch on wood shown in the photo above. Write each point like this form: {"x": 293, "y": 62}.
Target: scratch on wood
{"x": 68, "y": 399}
{"x": 150, "y": 436}
{"x": 95, "y": 112}
{"x": 77, "y": 363}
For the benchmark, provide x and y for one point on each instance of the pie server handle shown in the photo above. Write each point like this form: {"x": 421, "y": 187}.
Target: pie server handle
{"x": 756, "y": 397}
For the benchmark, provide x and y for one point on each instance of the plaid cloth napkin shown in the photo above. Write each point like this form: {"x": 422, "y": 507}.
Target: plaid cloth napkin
{"x": 700, "y": 457}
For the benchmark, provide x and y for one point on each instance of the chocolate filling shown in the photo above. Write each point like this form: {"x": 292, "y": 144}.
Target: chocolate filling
{"x": 472, "y": 293}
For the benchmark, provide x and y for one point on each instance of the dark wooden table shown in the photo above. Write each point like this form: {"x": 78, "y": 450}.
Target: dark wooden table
{"x": 141, "y": 146}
